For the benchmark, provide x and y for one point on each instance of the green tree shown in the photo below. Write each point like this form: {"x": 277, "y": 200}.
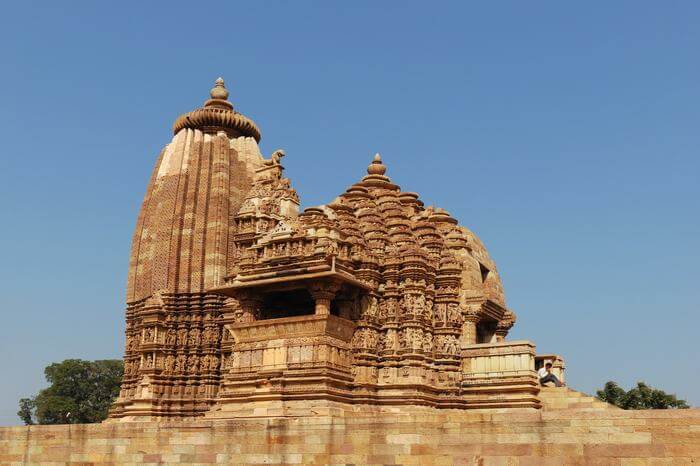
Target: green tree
{"x": 640, "y": 397}
{"x": 79, "y": 392}
{"x": 611, "y": 393}
{"x": 26, "y": 410}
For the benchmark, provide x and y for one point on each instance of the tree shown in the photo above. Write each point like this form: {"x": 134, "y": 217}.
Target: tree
{"x": 79, "y": 392}
{"x": 611, "y": 393}
{"x": 26, "y": 410}
{"x": 640, "y": 397}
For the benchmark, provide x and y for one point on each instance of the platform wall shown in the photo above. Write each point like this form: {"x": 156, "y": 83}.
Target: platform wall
{"x": 423, "y": 437}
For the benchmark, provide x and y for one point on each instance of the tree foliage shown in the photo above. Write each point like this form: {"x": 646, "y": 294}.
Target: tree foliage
{"x": 640, "y": 397}
{"x": 79, "y": 392}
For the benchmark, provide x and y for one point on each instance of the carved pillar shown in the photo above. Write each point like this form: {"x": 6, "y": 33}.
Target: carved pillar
{"x": 230, "y": 311}
{"x": 504, "y": 326}
{"x": 250, "y": 307}
{"x": 500, "y": 334}
{"x": 346, "y": 300}
{"x": 469, "y": 335}
{"x": 323, "y": 294}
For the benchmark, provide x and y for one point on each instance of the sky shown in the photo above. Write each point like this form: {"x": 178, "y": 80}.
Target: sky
{"x": 564, "y": 135}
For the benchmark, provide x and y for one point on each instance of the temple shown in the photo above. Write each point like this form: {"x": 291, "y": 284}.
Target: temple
{"x": 372, "y": 330}
{"x": 237, "y": 301}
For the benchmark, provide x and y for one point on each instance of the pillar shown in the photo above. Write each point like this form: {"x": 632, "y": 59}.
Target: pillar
{"x": 504, "y": 326}
{"x": 250, "y": 307}
{"x": 468, "y": 336}
{"x": 323, "y": 293}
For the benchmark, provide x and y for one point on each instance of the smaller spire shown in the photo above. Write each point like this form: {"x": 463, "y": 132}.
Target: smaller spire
{"x": 376, "y": 167}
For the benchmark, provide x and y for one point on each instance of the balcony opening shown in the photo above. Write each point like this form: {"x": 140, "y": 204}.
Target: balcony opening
{"x": 288, "y": 303}
{"x": 485, "y": 332}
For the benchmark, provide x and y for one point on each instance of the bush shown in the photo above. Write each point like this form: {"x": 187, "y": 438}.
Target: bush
{"x": 640, "y": 397}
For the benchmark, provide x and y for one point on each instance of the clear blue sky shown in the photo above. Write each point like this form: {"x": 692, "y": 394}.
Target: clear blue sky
{"x": 565, "y": 136}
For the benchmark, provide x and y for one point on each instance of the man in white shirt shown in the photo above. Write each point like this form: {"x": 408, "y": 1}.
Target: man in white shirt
{"x": 545, "y": 375}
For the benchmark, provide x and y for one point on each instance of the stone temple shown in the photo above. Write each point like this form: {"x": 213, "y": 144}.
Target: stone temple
{"x": 236, "y": 297}
{"x": 368, "y": 331}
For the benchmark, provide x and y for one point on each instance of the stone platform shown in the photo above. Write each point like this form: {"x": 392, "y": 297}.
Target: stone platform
{"x": 571, "y": 428}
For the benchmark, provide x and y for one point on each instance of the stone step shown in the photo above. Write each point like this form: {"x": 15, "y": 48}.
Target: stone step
{"x": 566, "y": 399}
{"x": 560, "y": 392}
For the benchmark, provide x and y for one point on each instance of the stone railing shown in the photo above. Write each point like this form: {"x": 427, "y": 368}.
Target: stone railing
{"x": 292, "y": 342}
{"x": 500, "y": 374}
{"x": 504, "y": 359}
{"x": 304, "y": 357}
{"x": 292, "y": 327}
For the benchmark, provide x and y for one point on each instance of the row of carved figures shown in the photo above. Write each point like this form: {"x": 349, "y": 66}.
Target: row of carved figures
{"x": 181, "y": 336}
{"x": 170, "y": 363}
{"x": 413, "y": 339}
{"x": 308, "y": 245}
{"x": 411, "y": 305}
{"x": 177, "y": 389}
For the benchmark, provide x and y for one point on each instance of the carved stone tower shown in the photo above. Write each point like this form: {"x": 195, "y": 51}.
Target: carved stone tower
{"x": 182, "y": 246}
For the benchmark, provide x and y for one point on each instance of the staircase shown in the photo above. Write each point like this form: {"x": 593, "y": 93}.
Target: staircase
{"x": 564, "y": 398}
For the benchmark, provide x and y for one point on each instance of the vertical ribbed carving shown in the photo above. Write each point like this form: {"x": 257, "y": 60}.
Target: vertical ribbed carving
{"x": 184, "y": 270}
{"x": 180, "y": 250}
{"x": 181, "y": 239}
{"x": 138, "y": 243}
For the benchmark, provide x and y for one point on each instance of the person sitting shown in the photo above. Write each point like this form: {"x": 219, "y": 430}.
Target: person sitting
{"x": 545, "y": 375}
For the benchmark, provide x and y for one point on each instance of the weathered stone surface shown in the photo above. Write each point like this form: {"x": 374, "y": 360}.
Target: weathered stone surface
{"x": 369, "y": 436}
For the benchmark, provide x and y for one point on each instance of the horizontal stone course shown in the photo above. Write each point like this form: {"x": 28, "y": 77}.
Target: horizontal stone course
{"x": 608, "y": 437}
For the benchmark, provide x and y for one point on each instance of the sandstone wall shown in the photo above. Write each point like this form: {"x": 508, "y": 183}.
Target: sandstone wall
{"x": 518, "y": 437}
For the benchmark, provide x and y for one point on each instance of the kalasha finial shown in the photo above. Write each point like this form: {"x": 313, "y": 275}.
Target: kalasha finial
{"x": 376, "y": 167}
{"x": 218, "y": 95}
{"x": 219, "y": 90}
